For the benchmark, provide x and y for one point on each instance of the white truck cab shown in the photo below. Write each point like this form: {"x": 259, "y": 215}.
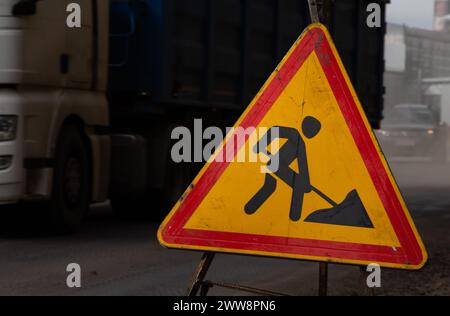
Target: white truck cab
{"x": 54, "y": 115}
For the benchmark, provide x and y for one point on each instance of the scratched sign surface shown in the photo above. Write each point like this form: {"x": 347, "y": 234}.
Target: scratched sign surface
{"x": 332, "y": 196}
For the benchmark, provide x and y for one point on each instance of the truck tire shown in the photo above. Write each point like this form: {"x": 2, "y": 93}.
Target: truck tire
{"x": 71, "y": 181}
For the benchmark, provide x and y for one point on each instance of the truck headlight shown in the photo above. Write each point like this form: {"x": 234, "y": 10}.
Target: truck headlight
{"x": 5, "y": 162}
{"x": 8, "y": 127}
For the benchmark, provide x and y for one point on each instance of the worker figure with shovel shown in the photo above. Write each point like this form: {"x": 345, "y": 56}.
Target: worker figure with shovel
{"x": 350, "y": 212}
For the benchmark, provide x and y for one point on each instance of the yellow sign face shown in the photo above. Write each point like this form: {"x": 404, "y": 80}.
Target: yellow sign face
{"x": 322, "y": 189}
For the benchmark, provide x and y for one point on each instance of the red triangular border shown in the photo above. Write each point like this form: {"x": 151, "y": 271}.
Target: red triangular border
{"x": 410, "y": 253}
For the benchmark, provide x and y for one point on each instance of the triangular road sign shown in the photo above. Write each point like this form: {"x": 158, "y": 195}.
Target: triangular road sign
{"x": 332, "y": 197}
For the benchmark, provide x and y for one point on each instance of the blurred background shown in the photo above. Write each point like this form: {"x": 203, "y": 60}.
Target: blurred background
{"x": 414, "y": 133}
{"x": 171, "y": 61}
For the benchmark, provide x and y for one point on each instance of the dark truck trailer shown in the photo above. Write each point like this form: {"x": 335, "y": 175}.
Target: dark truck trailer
{"x": 218, "y": 53}
{"x": 175, "y": 60}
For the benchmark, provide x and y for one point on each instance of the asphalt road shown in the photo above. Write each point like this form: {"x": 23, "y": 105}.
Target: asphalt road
{"x": 124, "y": 258}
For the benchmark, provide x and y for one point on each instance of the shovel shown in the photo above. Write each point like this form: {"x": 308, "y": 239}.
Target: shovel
{"x": 351, "y": 212}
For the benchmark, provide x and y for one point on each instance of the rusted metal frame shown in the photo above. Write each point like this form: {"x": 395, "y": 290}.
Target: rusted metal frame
{"x": 321, "y": 11}
{"x": 209, "y": 284}
{"x": 205, "y": 287}
{"x": 315, "y": 18}
{"x": 314, "y": 11}
{"x": 199, "y": 284}
{"x": 200, "y": 273}
{"x": 323, "y": 279}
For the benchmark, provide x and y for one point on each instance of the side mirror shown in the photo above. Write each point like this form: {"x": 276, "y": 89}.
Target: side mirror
{"x": 24, "y": 8}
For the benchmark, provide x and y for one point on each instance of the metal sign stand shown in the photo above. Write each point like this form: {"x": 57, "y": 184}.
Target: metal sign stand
{"x": 199, "y": 283}
{"x": 314, "y": 12}
{"x": 323, "y": 279}
{"x": 323, "y": 266}
{"x": 201, "y": 286}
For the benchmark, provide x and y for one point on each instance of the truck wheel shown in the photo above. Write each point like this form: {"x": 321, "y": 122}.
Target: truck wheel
{"x": 71, "y": 181}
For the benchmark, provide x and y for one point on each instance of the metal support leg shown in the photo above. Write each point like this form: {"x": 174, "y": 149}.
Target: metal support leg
{"x": 204, "y": 289}
{"x": 314, "y": 11}
{"x": 323, "y": 279}
{"x": 200, "y": 273}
